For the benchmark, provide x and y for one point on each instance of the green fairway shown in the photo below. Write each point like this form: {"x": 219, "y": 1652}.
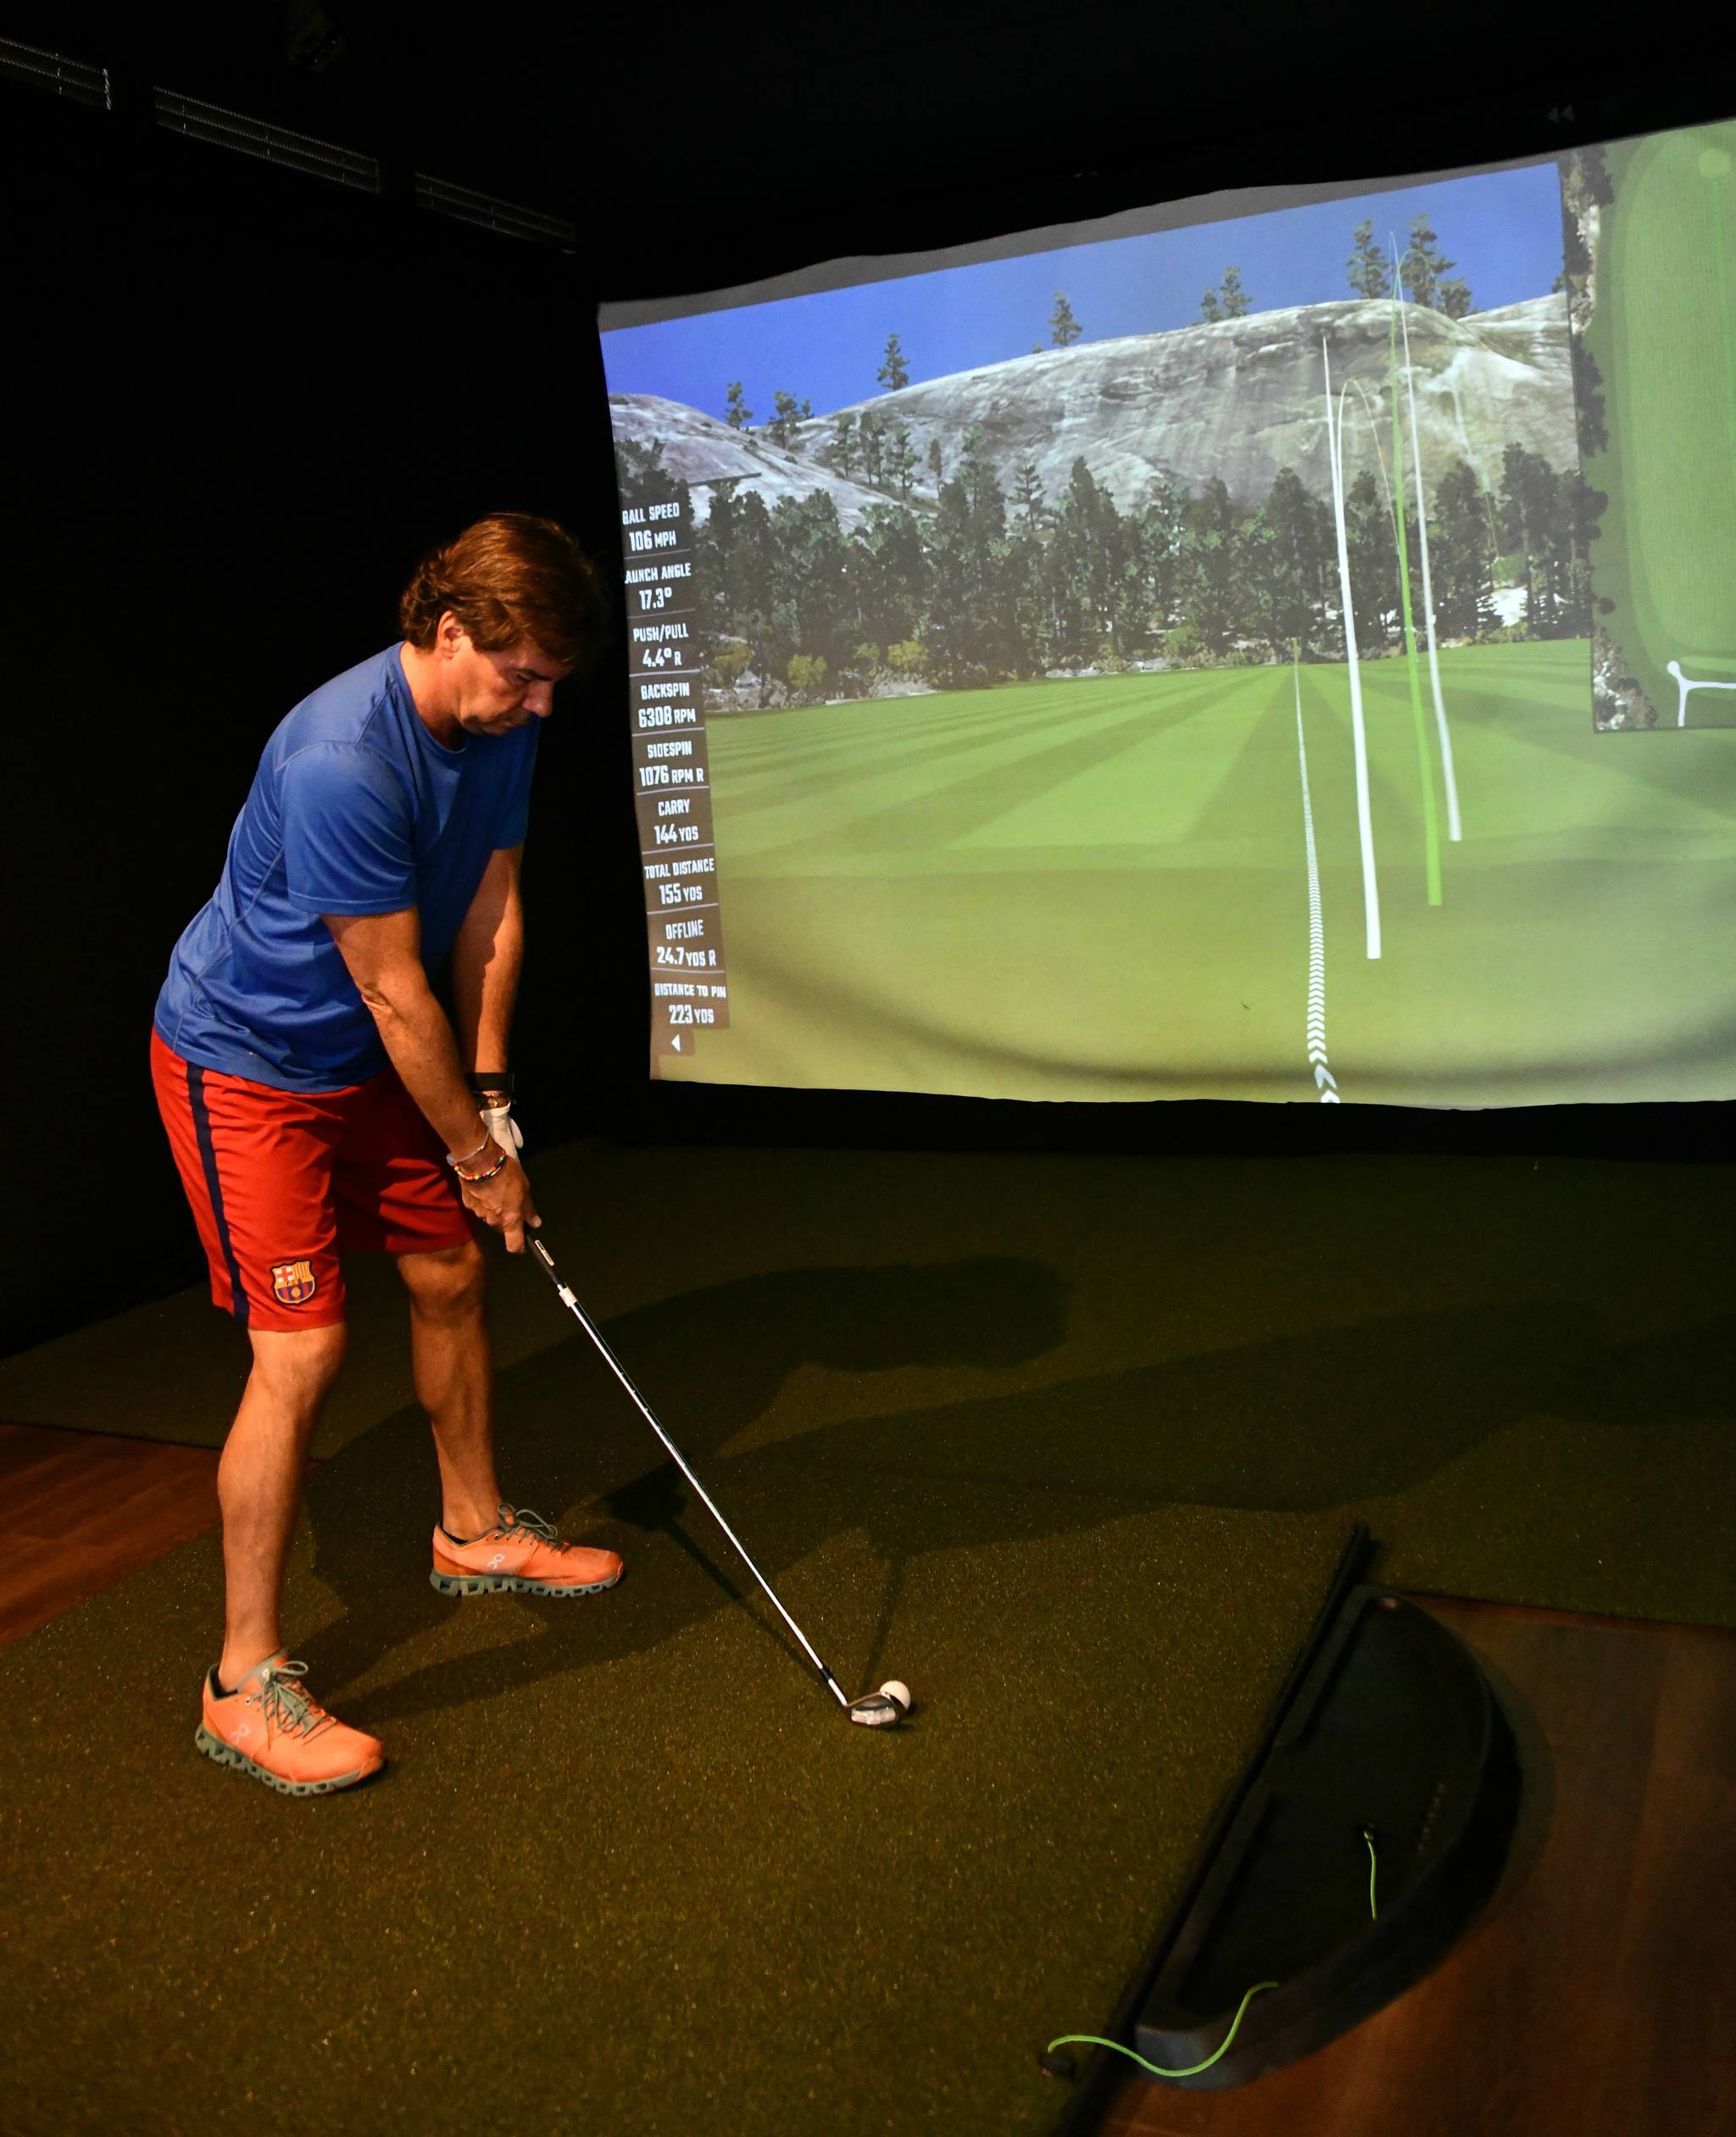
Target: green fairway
{"x": 1663, "y": 336}
{"x": 1099, "y": 889}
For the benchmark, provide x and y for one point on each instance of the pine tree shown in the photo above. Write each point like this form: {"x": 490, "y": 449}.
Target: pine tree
{"x": 1028, "y": 491}
{"x": 787, "y": 411}
{"x": 749, "y": 568}
{"x": 1456, "y": 298}
{"x": 1285, "y": 551}
{"x": 901, "y": 462}
{"x": 989, "y": 512}
{"x": 1424, "y": 265}
{"x": 1103, "y": 568}
{"x": 643, "y": 477}
{"x": 1064, "y": 329}
{"x": 894, "y": 372}
{"x": 996, "y": 648}
{"x": 842, "y": 450}
{"x": 1211, "y": 599}
{"x": 1519, "y": 526}
{"x": 1367, "y": 264}
{"x": 1023, "y": 603}
{"x": 1581, "y": 507}
{"x": 712, "y": 544}
{"x": 1085, "y": 532}
{"x": 951, "y": 636}
{"x": 871, "y": 433}
{"x": 737, "y": 415}
{"x": 1374, "y": 564}
{"x": 936, "y": 465}
{"x": 1459, "y": 545}
{"x": 812, "y": 608}
{"x": 1234, "y": 298}
{"x": 889, "y": 574}
{"x": 1529, "y": 508}
{"x": 972, "y": 633}
{"x": 1211, "y": 311}
{"x": 1073, "y": 573}
{"x": 1161, "y": 534}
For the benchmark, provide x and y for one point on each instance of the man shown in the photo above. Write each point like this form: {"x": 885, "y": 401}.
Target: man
{"x": 317, "y": 1098}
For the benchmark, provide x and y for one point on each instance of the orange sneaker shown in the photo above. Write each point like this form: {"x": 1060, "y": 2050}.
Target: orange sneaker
{"x": 523, "y": 1552}
{"x": 269, "y": 1726}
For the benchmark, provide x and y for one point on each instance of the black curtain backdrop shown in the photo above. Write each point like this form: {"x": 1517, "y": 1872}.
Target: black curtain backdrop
{"x": 248, "y": 403}
{"x": 243, "y": 401}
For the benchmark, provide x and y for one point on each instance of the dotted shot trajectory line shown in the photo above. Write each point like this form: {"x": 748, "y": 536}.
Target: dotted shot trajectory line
{"x": 1324, "y": 1081}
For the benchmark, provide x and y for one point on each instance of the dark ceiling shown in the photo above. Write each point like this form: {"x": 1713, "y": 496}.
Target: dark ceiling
{"x": 676, "y": 136}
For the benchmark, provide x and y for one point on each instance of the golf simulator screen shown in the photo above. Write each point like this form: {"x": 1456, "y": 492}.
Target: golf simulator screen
{"x": 1277, "y": 646}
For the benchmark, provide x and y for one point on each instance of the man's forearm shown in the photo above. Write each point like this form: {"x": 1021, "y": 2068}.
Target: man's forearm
{"x": 486, "y": 962}
{"x": 420, "y": 1045}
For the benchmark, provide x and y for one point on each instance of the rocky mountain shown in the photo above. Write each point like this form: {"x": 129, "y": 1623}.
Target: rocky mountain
{"x": 1238, "y": 399}
{"x": 702, "y": 451}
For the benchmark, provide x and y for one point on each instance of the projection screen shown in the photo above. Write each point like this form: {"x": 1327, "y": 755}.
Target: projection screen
{"x": 1278, "y": 646}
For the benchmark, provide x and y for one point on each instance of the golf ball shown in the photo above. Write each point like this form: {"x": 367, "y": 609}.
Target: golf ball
{"x": 893, "y": 1689}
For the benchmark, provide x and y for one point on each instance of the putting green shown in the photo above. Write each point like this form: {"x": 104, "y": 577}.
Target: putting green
{"x": 1663, "y": 335}
{"x": 1099, "y": 889}
{"x": 631, "y": 1867}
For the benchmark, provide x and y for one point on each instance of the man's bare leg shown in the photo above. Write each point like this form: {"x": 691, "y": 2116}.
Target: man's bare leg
{"x": 259, "y": 1483}
{"x": 453, "y": 1366}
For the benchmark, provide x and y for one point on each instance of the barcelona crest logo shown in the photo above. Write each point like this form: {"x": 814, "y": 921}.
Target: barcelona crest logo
{"x": 293, "y": 1283}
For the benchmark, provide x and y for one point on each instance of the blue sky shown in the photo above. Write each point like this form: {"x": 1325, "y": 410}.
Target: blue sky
{"x": 1501, "y": 228}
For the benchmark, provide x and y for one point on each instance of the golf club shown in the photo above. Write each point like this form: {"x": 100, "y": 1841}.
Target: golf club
{"x": 880, "y": 1710}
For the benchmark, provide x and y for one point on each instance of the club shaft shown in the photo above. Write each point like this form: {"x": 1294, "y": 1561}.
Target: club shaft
{"x": 564, "y": 1292}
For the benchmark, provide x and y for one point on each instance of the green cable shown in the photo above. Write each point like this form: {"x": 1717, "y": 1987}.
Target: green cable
{"x": 1096, "y": 2040}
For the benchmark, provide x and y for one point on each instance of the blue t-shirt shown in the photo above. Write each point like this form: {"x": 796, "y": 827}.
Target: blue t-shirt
{"x": 355, "y": 809}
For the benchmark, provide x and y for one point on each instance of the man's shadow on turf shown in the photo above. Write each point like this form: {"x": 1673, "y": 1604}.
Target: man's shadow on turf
{"x": 1328, "y": 1418}
{"x": 572, "y": 1445}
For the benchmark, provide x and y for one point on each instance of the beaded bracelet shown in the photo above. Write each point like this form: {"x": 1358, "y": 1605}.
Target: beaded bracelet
{"x": 475, "y": 1179}
{"x": 471, "y": 1158}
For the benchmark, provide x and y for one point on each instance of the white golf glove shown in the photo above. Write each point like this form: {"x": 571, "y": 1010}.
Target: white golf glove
{"x": 506, "y": 1131}
{"x": 497, "y": 1118}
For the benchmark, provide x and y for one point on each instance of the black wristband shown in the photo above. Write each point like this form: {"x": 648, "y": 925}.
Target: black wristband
{"x": 481, "y": 1085}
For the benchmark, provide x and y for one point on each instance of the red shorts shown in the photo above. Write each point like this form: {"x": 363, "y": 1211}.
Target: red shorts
{"x": 280, "y": 1181}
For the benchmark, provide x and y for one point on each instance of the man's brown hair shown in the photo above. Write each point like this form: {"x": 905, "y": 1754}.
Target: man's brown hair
{"x": 508, "y": 577}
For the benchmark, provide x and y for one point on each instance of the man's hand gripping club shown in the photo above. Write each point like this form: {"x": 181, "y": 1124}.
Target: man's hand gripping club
{"x": 502, "y": 1138}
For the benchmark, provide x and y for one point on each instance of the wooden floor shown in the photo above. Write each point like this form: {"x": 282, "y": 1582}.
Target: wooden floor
{"x": 80, "y": 1512}
{"x": 1595, "y": 1996}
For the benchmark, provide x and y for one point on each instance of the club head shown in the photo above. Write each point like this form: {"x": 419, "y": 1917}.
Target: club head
{"x": 875, "y": 1710}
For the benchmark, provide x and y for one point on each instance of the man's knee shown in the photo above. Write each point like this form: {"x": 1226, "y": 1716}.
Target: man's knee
{"x": 449, "y": 1284}
{"x": 297, "y": 1366}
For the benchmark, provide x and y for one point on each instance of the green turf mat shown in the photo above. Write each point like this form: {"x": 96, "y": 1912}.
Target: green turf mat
{"x": 631, "y": 1869}
{"x": 1517, "y": 1372}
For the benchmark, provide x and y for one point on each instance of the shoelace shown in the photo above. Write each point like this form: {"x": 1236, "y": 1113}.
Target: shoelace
{"x": 285, "y": 1705}
{"x": 531, "y": 1524}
